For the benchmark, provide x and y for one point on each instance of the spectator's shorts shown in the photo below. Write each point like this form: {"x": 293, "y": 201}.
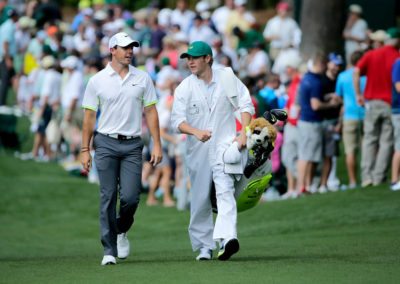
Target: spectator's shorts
{"x": 352, "y": 133}
{"x": 310, "y": 141}
{"x": 44, "y": 120}
{"x": 330, "y": 139}
{"x": 290, "y": 148}
{"x": 396, "y": 128}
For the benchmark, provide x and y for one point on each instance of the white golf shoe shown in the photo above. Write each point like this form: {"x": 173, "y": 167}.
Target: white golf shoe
{"x": 123, "y": 245}
{"x": 205, "y": 254}
{"x": 108, "y": 259}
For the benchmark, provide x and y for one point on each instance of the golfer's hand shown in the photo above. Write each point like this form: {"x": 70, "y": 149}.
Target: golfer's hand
{"x": 86, "y": 160}
{"x": 156, "y": 155}
{"x": 241, "y": 140}
{"x": 203, "y": 135}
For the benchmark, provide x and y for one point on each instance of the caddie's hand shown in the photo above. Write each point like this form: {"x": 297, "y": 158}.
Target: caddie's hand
{"x": 86, "y": 160}
{"x": 156, "y": 155}
{"x": 241, "y": 140}
{"x": 203, "y": 135}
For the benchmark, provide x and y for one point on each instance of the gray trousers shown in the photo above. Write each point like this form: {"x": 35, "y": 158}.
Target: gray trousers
{"x": 119, "y": 164}
{"x": 377, "y": 146}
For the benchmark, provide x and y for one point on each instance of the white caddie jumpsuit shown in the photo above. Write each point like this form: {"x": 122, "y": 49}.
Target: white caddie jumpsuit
{"x": 207, "y": 107}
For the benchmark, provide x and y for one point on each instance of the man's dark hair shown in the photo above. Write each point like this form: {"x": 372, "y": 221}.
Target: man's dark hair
{"x": 355, "y": 56}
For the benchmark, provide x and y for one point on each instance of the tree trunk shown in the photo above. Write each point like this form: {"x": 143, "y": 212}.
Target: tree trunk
{"x": 322, "y": 26}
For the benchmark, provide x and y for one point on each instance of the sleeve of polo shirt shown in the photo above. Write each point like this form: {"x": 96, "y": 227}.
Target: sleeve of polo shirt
{"x": 362, "y": 64}
{"x": 339, "y": 86}
{"x": 245, "y": 103}
{"x": 90, "y": 99}
{"x": 150, "y": 96}
{"x": 316, "y": 90}
{"x": 178, "y": 114}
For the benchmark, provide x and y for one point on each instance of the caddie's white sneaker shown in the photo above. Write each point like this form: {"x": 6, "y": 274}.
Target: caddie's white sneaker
{"x": 123, "y": 245}
{"x": 205, "y": 254}
{"x": 108, "y": 259}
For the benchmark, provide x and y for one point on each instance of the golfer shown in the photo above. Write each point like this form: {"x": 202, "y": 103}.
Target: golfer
{"x": 120, "y": 92}
{"x": 204, "y": 109}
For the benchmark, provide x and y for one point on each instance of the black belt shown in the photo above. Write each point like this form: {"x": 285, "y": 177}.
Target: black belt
{"x": 120, "y": 137}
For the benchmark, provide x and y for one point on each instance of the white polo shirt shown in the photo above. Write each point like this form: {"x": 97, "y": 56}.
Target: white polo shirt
{"x": 120, "y": 101}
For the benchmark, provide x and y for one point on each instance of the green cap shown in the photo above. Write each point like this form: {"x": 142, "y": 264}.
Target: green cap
{"x": 393, "y": 33}
{"x": 165, "y": 61}
{"x": 197, "y": 48}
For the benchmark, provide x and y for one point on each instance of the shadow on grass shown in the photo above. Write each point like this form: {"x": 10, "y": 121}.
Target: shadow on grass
{"x": 309, "y": 258}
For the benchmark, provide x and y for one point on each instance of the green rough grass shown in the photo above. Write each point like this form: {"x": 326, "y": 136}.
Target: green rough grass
{"x": 49, "y": 234}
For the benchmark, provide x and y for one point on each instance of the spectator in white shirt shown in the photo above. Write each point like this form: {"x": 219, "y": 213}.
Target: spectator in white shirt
{"x": 220, "y": 16}
{"x": 71, "y": 96}
{"x": 182, "y": 16}
{"x": 355, "y": 31}
{"x": 49, "y": 102}
{"x": 200, "y": 31}
{"x": 282, "y": 31}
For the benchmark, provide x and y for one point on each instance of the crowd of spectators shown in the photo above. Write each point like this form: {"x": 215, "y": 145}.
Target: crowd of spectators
{"x": 47, "y": 62}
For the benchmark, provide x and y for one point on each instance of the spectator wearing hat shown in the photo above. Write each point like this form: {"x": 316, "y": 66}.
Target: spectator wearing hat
{"x": 71, "y": 96}
{"x": 281, "y": 31}
{"x": 355, "y": 31}
{"x": 49, "y": 100}
{"x": 395, "y": 182}
{"x": 352, "y": 117}
{"x": 378, "y": 38}
{"x": 23, "y": 33}
{"x": 378, "y": 139}
{"x": 331, "y": 125}
{"x": 8, "y": 50}
{"x": 123, "y": 93}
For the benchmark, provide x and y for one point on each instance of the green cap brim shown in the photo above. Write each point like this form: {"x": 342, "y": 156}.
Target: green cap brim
{"x": 193, "y": 54}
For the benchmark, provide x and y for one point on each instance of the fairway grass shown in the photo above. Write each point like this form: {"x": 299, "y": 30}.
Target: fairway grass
{"x": 50, "y": 234}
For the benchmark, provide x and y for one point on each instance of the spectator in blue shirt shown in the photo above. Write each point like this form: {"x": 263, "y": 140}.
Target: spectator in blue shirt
{"x": 353, "y": 116}
{"x": 396, "y": 125}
